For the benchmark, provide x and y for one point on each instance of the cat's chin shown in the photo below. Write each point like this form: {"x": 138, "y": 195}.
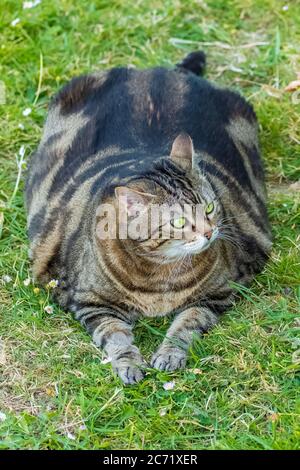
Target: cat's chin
{"x": 183, "y": 250}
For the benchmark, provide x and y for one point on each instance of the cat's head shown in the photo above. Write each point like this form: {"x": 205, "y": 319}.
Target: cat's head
{"x": 169, "y": 212}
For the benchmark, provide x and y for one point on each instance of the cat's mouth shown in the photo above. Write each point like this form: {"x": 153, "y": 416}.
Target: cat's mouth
{"x": 201, "y": 244}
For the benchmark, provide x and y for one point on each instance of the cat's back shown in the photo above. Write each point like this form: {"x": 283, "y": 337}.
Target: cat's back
{"x": 132, "y": 108}
{"x": 102, "y": 115}
{"x": 122, "y": 107}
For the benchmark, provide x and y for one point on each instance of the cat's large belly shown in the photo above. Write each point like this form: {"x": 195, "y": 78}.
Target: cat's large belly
{"x": 162, "y": 297}
{"x": 160, "y": 304}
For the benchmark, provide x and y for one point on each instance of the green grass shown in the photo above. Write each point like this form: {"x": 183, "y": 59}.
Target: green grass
{"x": 241, "y": 386}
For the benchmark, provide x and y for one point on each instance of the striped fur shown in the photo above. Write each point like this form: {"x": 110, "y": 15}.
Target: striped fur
{"x": 117, "y": 128}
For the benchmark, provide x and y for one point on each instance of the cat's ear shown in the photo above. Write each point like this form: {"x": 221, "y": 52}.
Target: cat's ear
{"x": 130, "y": 199}
{"x": 182, "y": 152}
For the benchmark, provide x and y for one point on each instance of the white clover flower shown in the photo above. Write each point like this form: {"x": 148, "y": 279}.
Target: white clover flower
{"x": 21, "y": 126}
{"x": 26, "y": 112}
{"x": 15, "y": 22}
{"x": 26, "y": 282}
{"x": 71, "y": 436}
{"x": 52, "y": 284}
{"x": 285, "y": 8}
{"x": 48, "y": 309}
{"x": 2, "y": 417}
{"x": 6, "y": 279}
{"x": 163, "y": 412}
{"x": 169, "y": 385}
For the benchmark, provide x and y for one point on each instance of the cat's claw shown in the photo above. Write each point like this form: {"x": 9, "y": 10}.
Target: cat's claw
{"x": 129, "y": 372}
{"x": 169, "y": 359}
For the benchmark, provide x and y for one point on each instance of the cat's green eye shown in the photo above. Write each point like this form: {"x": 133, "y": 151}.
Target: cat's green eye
{"x": 178, "y": 223}
{"x": 209, "y": 209}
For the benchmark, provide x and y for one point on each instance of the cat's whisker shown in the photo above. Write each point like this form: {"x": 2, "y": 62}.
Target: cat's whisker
{"x": 192, "y": 267}
{"x": 231, "y": 240}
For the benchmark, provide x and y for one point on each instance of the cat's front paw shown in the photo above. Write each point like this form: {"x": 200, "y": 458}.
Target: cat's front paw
{"x": 129, "y": 371}
{"x": 169, "y": 358}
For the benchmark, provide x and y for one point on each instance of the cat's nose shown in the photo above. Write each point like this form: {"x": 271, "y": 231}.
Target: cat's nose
{"x": 208, "y": 234}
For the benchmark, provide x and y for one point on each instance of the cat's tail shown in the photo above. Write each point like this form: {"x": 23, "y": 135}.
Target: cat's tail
{"x": 194, "y": 62}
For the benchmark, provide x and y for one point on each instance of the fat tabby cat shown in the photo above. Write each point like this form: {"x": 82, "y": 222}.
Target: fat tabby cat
{"x": 128, "y": 137}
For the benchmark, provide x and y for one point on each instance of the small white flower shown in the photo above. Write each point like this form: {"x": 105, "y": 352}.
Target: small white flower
{"x": 21, "y": 126}
{"x": 71, "y": 436}
{"x": 48, "y": 309}
{"x": 6, "y": 279}
{"x": 169, "y": 385}
{"x": 15, "y": 22}
{"x": 52, "y": 284}
{"x": 2, "y": 416}
{"x": 26, "y": 282}
{"x": 26, "y": 112}
{"x": 163, "y": 412}
{"x": 285, "y": 8}
{"x": 106, "y": 360}
{"x": 82, "y": 427}
{"x": 33, "y": 4}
